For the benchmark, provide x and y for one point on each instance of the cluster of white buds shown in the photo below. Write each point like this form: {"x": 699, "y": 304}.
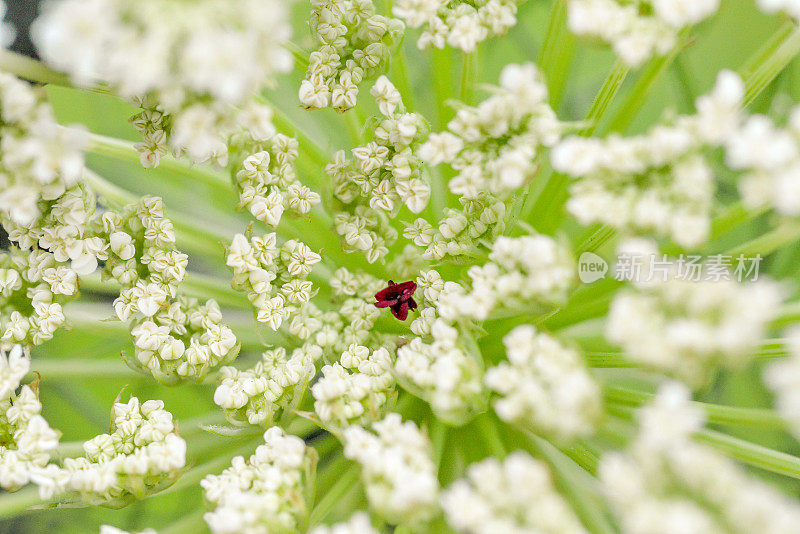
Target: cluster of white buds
{"x": 386, "y": 172}
{"x": 545, "y": 387}
{"x": 770, "y": 159}
{"x": 142, "y": 257}
{"x": 355, "y": 390}
{"x": 460, "y": 231}
{"x": 273, "y": 277}
{"x": 359, "y": 284}
{"x": 185, "y": 69}
{"x": 783, "y": 377}
{"x": 26, "y": 439}
{"x": 33, "y": 287}
{"x": 366, "y": 230}
{"x": 666, "y": 480}
{"x": 516, "y": 496}
{"x": 64, "y": 228}
{"x": 690, "y": 328}
{"x": 658, "y": 181}
{"x": 637, "y": 30}
{"x": 495, "y": 145}
{"x": 141, "y": 455}
{"x": 358, "y": 523}
{"x": 522, "y": 271}
{"x": 397, "y": 469}
{"x": 183, "y": 341}
{"x": 39, "y": 160}
{"x": 458, "y": 23}
{"x": 267, "y": 493}
{"x": 274, "y": 386}
{"x": 354, "y": 43}
{"x": 264, "y": 175}
{"x": 447, "y": 372}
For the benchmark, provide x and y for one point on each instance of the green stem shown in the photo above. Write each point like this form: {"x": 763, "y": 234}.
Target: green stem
{"x": 469, "y": 70}
{"x": 767, "y": 62}
{"x": 557, "y": 51}
{"x": 188, "y": 524}
{"x": 752, "y": 454}
{"x": 656, "y": 67}
{"x": 779, "y": 237}
{"x": 334, "y": 495}
{"x": 603, "y": 99}
{"x": 729, "y": 416}
{"x": 30, "y": 69}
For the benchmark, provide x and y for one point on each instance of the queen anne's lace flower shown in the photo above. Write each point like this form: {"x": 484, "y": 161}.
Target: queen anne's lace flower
{"x": 26, "y": 439}
{"x": 446, "y": 373}
{"x": 495, "y": 146}
{"x": 691, "y": 328}
{"x": 386, "y": 172}
{"x": 658, "y": 181}
{"x": 261, "y": 394}
{"x": 267, "y": 493}
{"x": 460, "y": 24}
{"x": 354, "y": 43}
{"x": 273, "y": 276}
{"x": 769, "y": 156}
{"x": 664, "y": 479}
{"x": 142, "y": 454}
{"x": 39, "y": 160}
{"x": 637, "y": 30}
{"x": 33, "y": 287}
{"x": 396, "y": 468}
{"x": 515, "y": 496}
{"x": 184, "y": 68}
{"x": 263, "y": 173}
{"x": 356, "y": 389}
{"x": 545, "y": 386}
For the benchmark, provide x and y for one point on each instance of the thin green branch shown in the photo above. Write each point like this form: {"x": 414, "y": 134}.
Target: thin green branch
{"x": 557, "y": 51}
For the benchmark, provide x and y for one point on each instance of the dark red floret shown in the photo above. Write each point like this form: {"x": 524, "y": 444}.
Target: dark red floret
{"x": 398, "y": 297}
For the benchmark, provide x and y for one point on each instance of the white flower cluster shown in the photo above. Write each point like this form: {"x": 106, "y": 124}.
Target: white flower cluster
{"x": 544, "y": 387}
{"x": 522, "y": 271}
{"x": 183, "y": 341}
{"x": 33, "y": 287}
{"x": 658, "y": 181}
{"x": 276, "y": 384}
{"x": 515, "y": 496}
{"x": 264, "y": 175}
{"x": 356, "y": 389}
{"x": 273, "y": 277}
{"x": 458, "y": 23}
{"x": 691, "y": 328}
{"x": 365, "y": 230}
{"x": 143, "y": 454}
{"x": 142, "y": 257}
{"x": 386, "y": 172}
{"x": 446, "y": 373}
{"x": 637, "y": 30}
{"x": 66, "y": 229}
{"x": 354, "y": 43}
{"x": 359, "y": 523}
{"x": 39, "y": 160}
{"x": 770, "y": 159}
{"x": 397, "y": 469}
{"x": 27, "y": 441}
{"x": 783, "y": 377}
{"x": 460, "y": 231}
{"x": 185, "y": 68}
{"x": 665, "y": 482}
{"x": 267, "y": 493}
{"x": 359, "y": 284}
{"x": 495, "y": 145}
